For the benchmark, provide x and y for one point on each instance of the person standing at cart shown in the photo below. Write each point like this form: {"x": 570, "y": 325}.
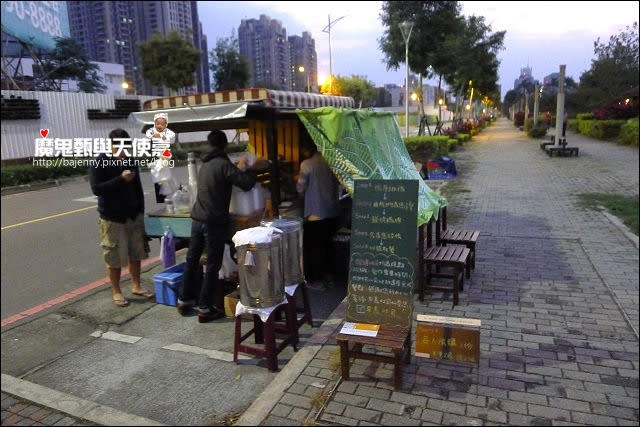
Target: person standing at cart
{"x": 121, "y": 223}
{"x": 210, "y": 222}
{"x": 320, "y": 189}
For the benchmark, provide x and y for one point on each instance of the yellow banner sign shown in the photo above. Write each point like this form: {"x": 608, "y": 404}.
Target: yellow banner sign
{"x": 447, "y": 342}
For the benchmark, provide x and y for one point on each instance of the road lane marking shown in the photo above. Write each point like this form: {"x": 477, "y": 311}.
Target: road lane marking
{"x": 212, "y": 354}
{"x": 48, "y": 217}
{"x": 75, "y": 293}
{"x": 114, "y": 336}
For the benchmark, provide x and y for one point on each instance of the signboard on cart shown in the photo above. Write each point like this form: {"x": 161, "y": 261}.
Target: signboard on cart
{"x": 383, "y": 252}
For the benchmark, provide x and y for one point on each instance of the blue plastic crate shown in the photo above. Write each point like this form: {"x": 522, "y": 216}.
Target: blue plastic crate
{"x": 168, "y": 283}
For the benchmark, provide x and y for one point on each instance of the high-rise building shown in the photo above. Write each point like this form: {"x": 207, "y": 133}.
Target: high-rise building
{"x": 303, "y": 54}
{"x": 264, "y": 43}
{"x": 525, "y": 77}
{"x": 109, "y": 31}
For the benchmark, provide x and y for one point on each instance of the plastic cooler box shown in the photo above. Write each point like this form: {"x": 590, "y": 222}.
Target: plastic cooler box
{"x": 168, "y": 283}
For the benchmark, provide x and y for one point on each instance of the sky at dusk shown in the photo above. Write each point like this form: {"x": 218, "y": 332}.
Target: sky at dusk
{"x": 542, "y": 35}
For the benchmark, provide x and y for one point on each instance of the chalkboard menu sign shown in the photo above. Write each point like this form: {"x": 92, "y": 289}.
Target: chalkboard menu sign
{"x": 383, "y": 252}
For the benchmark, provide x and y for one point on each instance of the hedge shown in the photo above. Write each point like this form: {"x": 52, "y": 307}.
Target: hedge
{"x": 13, "y": 175}
{"x": 426, "y": 147}
{"x": 629, "y": 132}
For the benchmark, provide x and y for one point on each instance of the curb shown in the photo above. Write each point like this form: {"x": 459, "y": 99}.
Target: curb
{"x": 71, "y": 405}
{"x": 41, "y": 185}
{"x": 267, "y": 400}
{"x": 620, "y": 225}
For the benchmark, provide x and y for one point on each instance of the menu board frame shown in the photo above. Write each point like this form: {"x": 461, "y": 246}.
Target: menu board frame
{"x": 382, "y": 265}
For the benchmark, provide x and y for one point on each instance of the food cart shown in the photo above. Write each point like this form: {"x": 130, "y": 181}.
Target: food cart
{"x": 274, "y": 132}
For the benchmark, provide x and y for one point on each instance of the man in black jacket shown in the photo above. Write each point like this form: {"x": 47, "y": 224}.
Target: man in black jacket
{"x": 116, "y": 182}
{"x": 210, "y": 215}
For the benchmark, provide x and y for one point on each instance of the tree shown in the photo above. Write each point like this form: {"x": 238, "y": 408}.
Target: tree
{"x": 230, "y": 69}
{"x": 169, "y": 61}
{"x": 474, "y": 59}
{"x": 335, "y": 87}
{"x": 433, "y": 23}
{"x": 383, "y": 97}
{"x": 67, "y": 61}
{"x": 359, "y": 88}
{"x": 613, "y": 71}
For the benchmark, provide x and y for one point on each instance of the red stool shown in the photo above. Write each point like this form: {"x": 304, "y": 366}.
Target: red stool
{"x": 305, "y": 310}
{"x": 265, "y": 333}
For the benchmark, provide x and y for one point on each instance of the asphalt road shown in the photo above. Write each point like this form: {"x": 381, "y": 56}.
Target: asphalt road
{"x": 50, "y": 242}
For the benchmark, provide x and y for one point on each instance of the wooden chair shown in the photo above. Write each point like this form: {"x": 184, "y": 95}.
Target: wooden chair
{"x": 455, "y": 257}
{"x": 447, "y": 236}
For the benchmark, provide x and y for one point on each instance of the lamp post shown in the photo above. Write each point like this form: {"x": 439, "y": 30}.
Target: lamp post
{"x": 301, "y": 69}
{"x": 327, "y": 30}
{"x": 405, "y": 28}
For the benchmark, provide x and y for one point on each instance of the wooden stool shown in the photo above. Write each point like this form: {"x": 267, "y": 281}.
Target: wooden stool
{"x": 305, "y": 310}
{"x": 265, "y": 333}
{"x": 394, "y": 338}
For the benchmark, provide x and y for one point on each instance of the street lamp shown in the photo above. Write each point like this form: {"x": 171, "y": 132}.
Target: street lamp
{"x": 405, "y": 28}
{"x": 327, "y": 30}
{"x": 301, "y": 69}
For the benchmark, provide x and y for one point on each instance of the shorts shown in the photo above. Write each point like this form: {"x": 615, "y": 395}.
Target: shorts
{"x": 123, "y": 242}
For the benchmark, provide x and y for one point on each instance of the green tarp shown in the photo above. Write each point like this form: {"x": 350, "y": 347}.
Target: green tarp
{"x": 365, "y": 144}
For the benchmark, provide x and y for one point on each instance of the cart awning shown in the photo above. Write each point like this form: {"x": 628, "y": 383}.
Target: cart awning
{"x": 272, "y": 98}
{"x": 193, "y": 114}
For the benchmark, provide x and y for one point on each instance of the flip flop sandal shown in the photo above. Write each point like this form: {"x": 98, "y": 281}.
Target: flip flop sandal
{"x": 121, "y": 302}
{"x": 143, "y": 293}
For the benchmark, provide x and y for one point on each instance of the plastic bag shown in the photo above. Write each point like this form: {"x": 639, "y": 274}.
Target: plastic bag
{"x": 161, "y": 174}
{"x": 182, "y": 200}
{"x": 229, "y": 266}
{"x": 168, "y": 248}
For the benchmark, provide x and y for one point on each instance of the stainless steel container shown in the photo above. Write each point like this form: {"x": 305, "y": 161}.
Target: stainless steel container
{"x": 292, "y": 253}
{"x": 260, "y": 273}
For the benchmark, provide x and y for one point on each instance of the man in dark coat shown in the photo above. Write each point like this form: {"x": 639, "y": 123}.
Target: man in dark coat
{"x": 210, "y": 215}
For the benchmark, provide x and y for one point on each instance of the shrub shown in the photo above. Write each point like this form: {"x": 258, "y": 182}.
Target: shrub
{"x": 606, "y": 129}
{"x": 629, "y": 132}
{"x": 452, "y": 145}
{"x": 464, "y": 137}
{"x": 426, "y": 147}
{"x": 584, "y": 126}
{"x": 518, "y": 119}
{"x": 27, "y": 173}
{"x": 539, "y": 130}
{"x": 585, "y": 116}
{"x": 572, "y": 124}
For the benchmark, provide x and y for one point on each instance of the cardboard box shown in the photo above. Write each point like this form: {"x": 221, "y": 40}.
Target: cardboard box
{"x": 230, "y": 302}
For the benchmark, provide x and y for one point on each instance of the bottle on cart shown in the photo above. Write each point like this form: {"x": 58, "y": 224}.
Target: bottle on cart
{"x": 193, "y": 177}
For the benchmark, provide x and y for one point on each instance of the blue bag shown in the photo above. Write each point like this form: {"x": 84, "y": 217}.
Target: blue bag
{"x": 168, "y": 248}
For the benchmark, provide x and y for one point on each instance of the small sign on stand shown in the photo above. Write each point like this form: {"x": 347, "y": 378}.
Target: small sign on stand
{"x": 362, "y": 329}
{"x": 448, "y": 338}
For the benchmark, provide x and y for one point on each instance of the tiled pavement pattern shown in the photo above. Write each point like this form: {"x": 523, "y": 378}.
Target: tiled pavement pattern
{"x": 19, "y": 412}
{"x": 552, "y": 286}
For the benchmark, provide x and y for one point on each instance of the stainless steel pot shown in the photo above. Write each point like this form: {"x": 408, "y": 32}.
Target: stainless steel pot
{"x": 260, "y": 273}
{"x": 292, "y": 253}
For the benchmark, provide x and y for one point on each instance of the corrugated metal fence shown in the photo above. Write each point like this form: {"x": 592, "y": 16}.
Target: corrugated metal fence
{"x": 65, "y": 115}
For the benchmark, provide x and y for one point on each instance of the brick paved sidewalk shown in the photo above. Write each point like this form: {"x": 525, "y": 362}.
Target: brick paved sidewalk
{"x": 556, "y": 288}
{"x": 20, "y": 412}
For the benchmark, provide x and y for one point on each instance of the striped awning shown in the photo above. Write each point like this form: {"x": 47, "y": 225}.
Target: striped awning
{"x": 275, "y": 98}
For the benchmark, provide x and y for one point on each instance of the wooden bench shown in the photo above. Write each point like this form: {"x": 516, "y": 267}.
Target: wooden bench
{"x": 562, "y": 151}
{"x": 454, "y": 257}
{"x": 393, "y": 338}
{"x": 467, "y": 238}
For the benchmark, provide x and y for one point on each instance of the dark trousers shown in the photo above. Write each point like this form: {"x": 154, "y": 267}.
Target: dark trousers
{"x": 212, "y": 237}
{"x": 318, "y": 260}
